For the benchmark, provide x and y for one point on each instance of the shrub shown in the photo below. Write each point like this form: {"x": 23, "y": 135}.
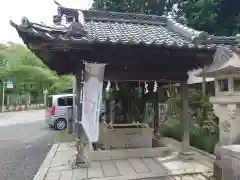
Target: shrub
{"x": 198, "y": 137}
{"x": 202, "y": 140}
{"x": 172, "y": 130}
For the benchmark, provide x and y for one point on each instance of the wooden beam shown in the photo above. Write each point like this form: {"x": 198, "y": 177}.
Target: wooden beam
{"x": 125, "y": 62}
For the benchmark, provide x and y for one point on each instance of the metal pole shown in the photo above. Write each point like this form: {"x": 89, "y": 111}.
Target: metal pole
{"x": 80, "y": 131}
{"x": 3, "y": 94}
{"x": 74, "y": 97}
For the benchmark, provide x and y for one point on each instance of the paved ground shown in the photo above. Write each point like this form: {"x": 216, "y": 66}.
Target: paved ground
{"x": 58, "y": 165}
{"x": 24, "y": 142}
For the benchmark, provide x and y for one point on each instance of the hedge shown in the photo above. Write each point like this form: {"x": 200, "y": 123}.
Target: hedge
{"x": 198, "y": 138}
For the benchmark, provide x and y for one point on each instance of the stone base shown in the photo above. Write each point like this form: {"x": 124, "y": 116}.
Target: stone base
{"x": 126, "y": 136}
{"x": 217, "y": 171}
{"x": 186, "y": 155}
{"x": 105, "y": 155}
{"x": 81, "y": 163}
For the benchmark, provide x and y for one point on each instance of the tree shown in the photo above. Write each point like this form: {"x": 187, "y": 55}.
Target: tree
{"x": 23, "y": 67}
{"x": 138, "y": 6}
{"x": 63, "y": 84}
{"x": 218, "y": 17}
{"x": 228, "y": 19}
{"x": 28, "y": 73}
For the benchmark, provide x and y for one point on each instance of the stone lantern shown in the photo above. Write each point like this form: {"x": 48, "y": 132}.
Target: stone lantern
{"x": 225, "y": 69}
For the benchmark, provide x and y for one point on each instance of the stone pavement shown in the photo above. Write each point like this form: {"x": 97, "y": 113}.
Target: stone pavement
{"x": 58, "y": 165}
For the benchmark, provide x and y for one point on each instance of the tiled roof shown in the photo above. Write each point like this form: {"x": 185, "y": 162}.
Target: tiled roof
{"x": 225, "y": 60}
{"x": 128, "y": 28}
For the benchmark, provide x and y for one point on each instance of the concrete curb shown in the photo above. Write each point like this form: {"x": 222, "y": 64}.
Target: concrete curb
{"x": 211, "y": 156}
{"x": 178, "y": 143}
{"x": 40, "y": 175}
{"x": 30, "y": 109}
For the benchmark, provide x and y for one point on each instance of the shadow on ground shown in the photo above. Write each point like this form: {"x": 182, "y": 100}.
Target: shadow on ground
{"x": 63, "y": 136}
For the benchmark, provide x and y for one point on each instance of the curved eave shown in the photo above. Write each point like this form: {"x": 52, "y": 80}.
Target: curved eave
{"x": 49, "y": 35}
{"x": 223, "y": 71}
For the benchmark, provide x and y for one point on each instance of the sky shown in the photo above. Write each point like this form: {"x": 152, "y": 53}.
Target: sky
{"x": 36, "y": 11}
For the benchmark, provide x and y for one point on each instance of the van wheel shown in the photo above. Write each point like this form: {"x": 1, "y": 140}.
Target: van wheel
{"x": 60, "y": 124}
{"x": 101, "y": 117}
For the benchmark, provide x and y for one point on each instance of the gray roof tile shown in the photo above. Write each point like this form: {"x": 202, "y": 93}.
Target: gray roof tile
{"x": 128, "y": 28}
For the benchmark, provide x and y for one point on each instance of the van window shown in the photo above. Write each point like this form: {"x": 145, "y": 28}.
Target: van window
{"x": 69, "y": 101}
{"x": 65, "y": 101}
{"x": 62, "y": 101}
{"x": 49, "y": 101}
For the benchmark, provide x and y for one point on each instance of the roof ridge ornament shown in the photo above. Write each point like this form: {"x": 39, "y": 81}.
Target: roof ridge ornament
{"x": 25, "y": 22}
{"x": 124, "y": 17}
{"x": 72, "y": 19}
{"x": 197, "y": 37}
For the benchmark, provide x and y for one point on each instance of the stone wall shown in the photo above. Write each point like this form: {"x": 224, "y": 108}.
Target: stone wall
{"x": 23, "y": 107}
{"x": 229, "y": 162}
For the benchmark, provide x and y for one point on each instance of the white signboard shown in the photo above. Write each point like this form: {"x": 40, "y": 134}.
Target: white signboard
{"x": 9, "y": 85}
{"x": 92, "y": 97}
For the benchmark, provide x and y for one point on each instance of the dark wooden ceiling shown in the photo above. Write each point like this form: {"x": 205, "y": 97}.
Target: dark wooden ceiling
{"x": 124, "y": 62}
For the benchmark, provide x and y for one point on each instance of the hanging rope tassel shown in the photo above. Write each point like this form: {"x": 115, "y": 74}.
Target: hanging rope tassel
{"x": 176, "y": 90}
{"x": 108, "y": 86}
{"x": 117, "y": 86}
{"x": 168, "y": 93}
{"x": 146, "y": 88}
{"x": 155, "y": 87}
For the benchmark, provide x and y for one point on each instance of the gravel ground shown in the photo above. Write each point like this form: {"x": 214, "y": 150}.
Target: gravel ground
{"x": 24, "y": 146}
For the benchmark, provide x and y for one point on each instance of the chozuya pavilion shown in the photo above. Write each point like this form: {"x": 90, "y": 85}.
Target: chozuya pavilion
{"x": 137, "y": 49}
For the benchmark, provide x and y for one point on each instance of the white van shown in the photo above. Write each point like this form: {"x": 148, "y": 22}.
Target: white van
{"x": 56, "y": 112}
{"x": 57, "y": 108}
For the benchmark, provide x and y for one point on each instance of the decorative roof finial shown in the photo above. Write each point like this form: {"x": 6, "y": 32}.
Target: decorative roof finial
{"x": 74, "y": 17}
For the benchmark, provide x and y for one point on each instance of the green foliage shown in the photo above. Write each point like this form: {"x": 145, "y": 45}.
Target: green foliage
{"x": 199, "y": 138}
{"x": 139, "y": 6}
{"x": 211, "y": 126}
{"x": 203, "y": 135}
{"x": 196, "y": 101}
{"x": 28, "y": 73}
{"x": 219, "y": 17}
{"x": 172, "y": 130}
{"x": 63, "y": 84}
{"x": 195, "y": 97}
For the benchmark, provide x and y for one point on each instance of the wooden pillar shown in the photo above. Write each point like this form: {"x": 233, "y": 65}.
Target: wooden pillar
{"x": 185, "y": 120}
{"x": 204, "y": 86}
{"x": 156, "y": 112}
{"x": 71, "y": 114}
{"x": 107, "y": 111}
{"x": 74, "y": 82}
